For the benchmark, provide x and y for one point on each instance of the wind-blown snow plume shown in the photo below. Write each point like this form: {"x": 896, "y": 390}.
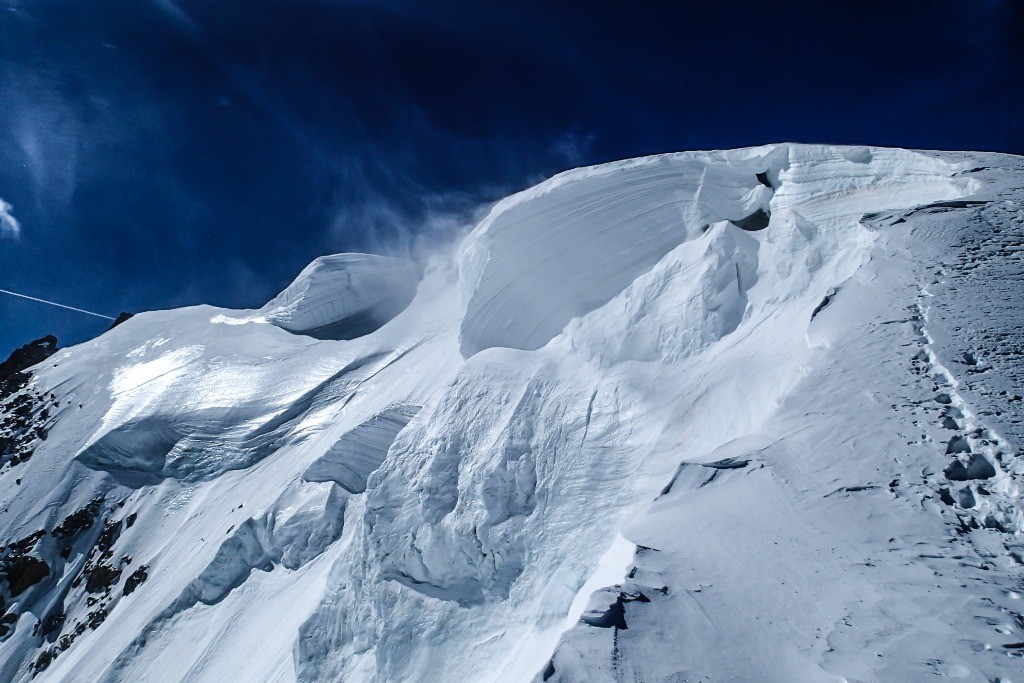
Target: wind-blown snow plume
{"x": 9, "y": 225}
{"x": 745, "y": 415}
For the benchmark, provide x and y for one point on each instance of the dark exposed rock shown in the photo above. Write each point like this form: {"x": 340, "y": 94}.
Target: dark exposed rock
{"x": 20, "y": 570}
{"x": 26, "y": 356}
{"x": 7, "y": 623}
{"x": 78, "y": 522}
{"x": 43, "y": 661}
{"x": 23, "y": 572}
{"x": 96, "y": 618}
{"x": 102, "y": 578}
{"x": 136, "y": 579}
{"x": 105, "y": 543}
{"x": 23, "y": 545}
{"x": 121, "y": 317}
{"x": 52, "y": 624}
{"x": 23, "y": 411}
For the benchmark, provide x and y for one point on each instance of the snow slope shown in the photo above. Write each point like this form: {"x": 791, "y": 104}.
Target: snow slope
{"x": 736, "y": 415}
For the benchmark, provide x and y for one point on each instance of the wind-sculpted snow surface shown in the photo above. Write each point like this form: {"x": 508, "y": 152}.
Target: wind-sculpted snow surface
{"x": 699, "y": 416}
{"x": 344, "y": 296}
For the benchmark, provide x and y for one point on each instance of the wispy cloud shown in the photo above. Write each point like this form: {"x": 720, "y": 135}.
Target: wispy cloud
{"x": 575, "y": 145}
{"x": 9, "y": 225}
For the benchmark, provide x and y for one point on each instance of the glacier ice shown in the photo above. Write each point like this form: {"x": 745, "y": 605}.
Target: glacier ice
{"x": 357, "y": 454}
{"x": 736, "y": 415}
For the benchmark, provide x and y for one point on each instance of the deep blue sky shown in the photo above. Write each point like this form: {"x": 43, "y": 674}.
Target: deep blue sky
{"x": 160, "y": 153}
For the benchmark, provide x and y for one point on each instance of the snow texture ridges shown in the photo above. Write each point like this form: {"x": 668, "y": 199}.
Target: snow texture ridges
{"x": 734, "y": 415}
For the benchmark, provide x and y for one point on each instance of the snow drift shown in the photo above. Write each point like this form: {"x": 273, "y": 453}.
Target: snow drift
{"x": 344, "y": 296}
{"x": 749, "y": 414}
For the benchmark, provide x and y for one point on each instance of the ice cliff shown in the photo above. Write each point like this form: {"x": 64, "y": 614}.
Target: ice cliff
{"x": 751, "y": 414}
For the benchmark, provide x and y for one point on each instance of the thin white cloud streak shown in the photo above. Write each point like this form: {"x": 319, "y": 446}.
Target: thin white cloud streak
{"x": 575, "y": 145}
{"x": 54, "y": 303}
{"x": 244, "y": 82}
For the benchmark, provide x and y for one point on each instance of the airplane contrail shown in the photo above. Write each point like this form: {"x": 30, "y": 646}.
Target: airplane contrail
{"x": 54, "y": 303}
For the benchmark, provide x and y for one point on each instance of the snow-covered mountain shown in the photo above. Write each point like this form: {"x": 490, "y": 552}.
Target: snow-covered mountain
{"x": 737, "y": 415}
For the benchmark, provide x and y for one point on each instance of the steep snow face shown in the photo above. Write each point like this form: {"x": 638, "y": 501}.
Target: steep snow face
{"x": 528, "y": 269}
{"x": 717, "y": 386}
